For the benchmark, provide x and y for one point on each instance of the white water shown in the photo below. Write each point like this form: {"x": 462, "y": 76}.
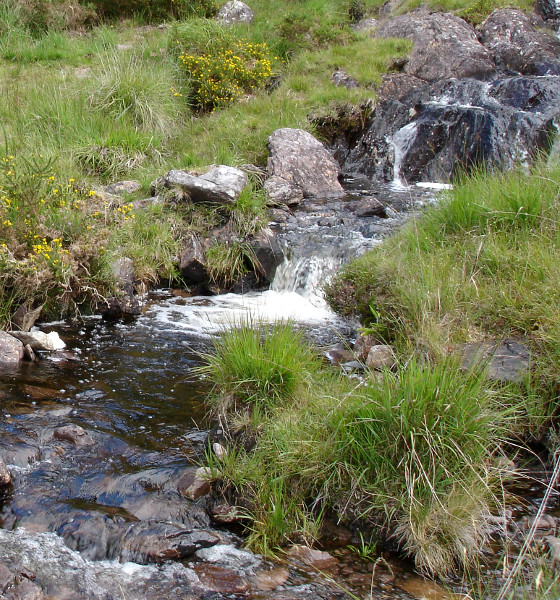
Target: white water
{"x": 402, "y": 140}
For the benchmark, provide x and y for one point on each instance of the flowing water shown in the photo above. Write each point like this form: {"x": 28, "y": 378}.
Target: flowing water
{"x": 85, "y": 517}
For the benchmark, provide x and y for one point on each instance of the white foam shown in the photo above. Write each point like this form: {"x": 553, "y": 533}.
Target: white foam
{"x": 432, "y": 185}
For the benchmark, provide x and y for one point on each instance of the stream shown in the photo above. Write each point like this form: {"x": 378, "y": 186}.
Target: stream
{"x": 87, "y": 512}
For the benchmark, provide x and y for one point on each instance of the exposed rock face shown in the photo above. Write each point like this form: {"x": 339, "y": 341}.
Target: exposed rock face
{"x": 280, "y": 191}
{"x": 304, "y": 162}
{"x": 221, "y": 185}
{"x": 516, "y": 44}
{"x": 235, "y": 11}
{"x": 433, "y": 131}
{"x": 444, "y": 46}
{"x": 11, "y": 350}
{"x": 506, "y": 362}
{"x": 192, "y": 262}
{"x": 38, "y": 340}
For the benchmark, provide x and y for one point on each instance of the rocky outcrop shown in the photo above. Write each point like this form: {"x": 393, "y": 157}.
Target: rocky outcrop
{"x": 11, "y": 350}
{"x": 297, "y": 157}
{"x": 220, "y": 185}
{"x": 518, "y": 42}
{"x": 235, "y": 11}
{"x": 444, "y": 46}
{"x": 434, "y": 131}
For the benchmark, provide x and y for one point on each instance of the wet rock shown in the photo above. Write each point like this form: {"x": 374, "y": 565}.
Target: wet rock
{"x": 281, "y": 191}
{"x": 304, "y": 162}
{"x": 266, "y": 581}
{"x": 443, "y": 46}
{"x": 548, "y": 9}
{"x": 74, "y": 434}
{"x": 397, "y": 85}
{"x": 337, "y": 356}
{"x": 352, "y": 366}
{"x": 268, "y": 253}
{"x": 123, "y": 187}
{"x": 38, "y": 340}
{"x": 5, "y": 476}
{"x": 313, "y": 558}
{"x": 124, "y": 302}
{"x": 200, "y": 485}
{"x": 21, "y": 455}
{"x": 193, "y": 262}
{"x": 225, "y": 513}
{"x": 28, "y": 353}
{"x": 219, "y": 579}
{"x": 123, "y": 270}
{"x": 380, "y": 357}
{"x": 518, "y": 42}
{"x": 342, "y": 79}
{"x": 221, "y": 185}
{"x": 235, "y": 11}
{"x": 11, "y": 350}
{"x": 25, "y": 316}
{"x": 435, "y": 131}
{"x": 40, "y": 393}
{"x": 362, "y": 346}
{"x": 157, "y": 542}
{"x": 370, "y": 207}
{"x": 506, "y": 362}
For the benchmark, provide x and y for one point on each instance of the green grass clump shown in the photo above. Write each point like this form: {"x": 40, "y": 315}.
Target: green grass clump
{"x": 409, "y": 455}
{"x": 256, "y": 365}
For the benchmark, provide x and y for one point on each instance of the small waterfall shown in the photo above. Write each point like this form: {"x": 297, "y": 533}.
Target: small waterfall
{"x": 402, "y": 140}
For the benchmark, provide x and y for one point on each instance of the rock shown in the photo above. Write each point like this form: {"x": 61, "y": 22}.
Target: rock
{"x": 342, "y": 79}
{"x": 145, "y": 202}
{"x": 40, "y": 393}
{"x": 123, "y": 187}
{"x": 38, "y": 340}
{"x": 5, "y": 476}
{"x": 221, "y": 185}
{"x": 235, "y": 11}
{"x": 365, "y": 25}
{"x": 516, "y": 44}
{"x": 444, "y": 46}
{"x": 125, "y": 301}
{"x": 280, "y": 191}
{"x": 11, "y": 350}
{"x": 225, "y": 514}
{"x": 201, "y": 483}
{"x": 314, "y": 558}
{"x": 74, "y": 434}
{"x": 370, "y": 207}
{"x": 303, "y": 161}
{"x": 220, "y": 580}
{"x": 434, "y": 132}
{"x": 268, "y": 253}
{"x": 28, "y": 353}
{"x": 192, "y": 263}
{"x": 266, "y": 581}
{"x": 152, "y": 541}
{"x": 548, "y": 9}
{"x": 397, "y": 85}
{"x": 338, "y": 356}
{"x": 123, "y": 270}
{"x": 506, "y": 362}
{"x": 362, "y": 346}
{"x": 380, "y": 357}
{"x": 553, "y": 544}
{"x": 24, "y": 318}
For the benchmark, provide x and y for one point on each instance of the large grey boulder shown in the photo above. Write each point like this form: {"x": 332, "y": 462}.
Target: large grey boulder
{"x": 11, "y": 350}
{"x": 280, "y": 191}
{"x": 235, "y": 11}
{"x": 221, "y": 185}
{"x": 443, "y": 46}
{"x": 516, "y": 43}
{"x": 299, "y": 158}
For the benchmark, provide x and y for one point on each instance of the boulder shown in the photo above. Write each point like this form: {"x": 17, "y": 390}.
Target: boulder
{"x": 123, "y": 187}
{"x": 221, "y": 185}
{"x": 380, "y": 357}
{"x": 518, "y": 42}
{"x": 74, "y": 434}
{"x": 299, "y": 158}
{"x": 200, "y": 485}
{"x": 506, "y": 361}
{"x": 38, "y": 340}
{"x": 5, "y": 476}
{"x": 11, "y": 350}
{"x": 342, "y": 79}
{"x": 25, "y": 316}
{"x": 192, "y": 262}
{"x": 235, "y": 11}
{"x": 370, "y": 207}
{"x": 123, "y": 270}
{"x": 314, "y": 558}
{"x": 443, "y": 46}
{"x": 125, "y": 301}
{"x": 280, "y": 191}
{"x": 268, "y": 253}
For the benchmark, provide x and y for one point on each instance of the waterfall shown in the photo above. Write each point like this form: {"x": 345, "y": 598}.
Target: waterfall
{"x": 402, "y": 140}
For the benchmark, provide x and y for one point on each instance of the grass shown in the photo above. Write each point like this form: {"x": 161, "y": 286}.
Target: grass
{"x": 410, "y": 456}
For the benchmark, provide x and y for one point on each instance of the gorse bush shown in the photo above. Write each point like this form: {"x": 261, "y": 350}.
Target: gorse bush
{"x": 227, "y": 73}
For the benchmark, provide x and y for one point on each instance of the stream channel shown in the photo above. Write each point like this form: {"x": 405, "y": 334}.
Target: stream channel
{"x": 83, "y": 520}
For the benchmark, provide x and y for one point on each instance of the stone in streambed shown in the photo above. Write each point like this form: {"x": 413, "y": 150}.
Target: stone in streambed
{"x": 74, "y": 434}
{"x": 38, "y": 340}
{"x": 313, "y": 558}
{"x": 11, "y": 350}
{"x": 5, "y": 476}
{"x": 297, "y": 157}
{"x": 220, "y": 580}
{"x": 280, "y": 191}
